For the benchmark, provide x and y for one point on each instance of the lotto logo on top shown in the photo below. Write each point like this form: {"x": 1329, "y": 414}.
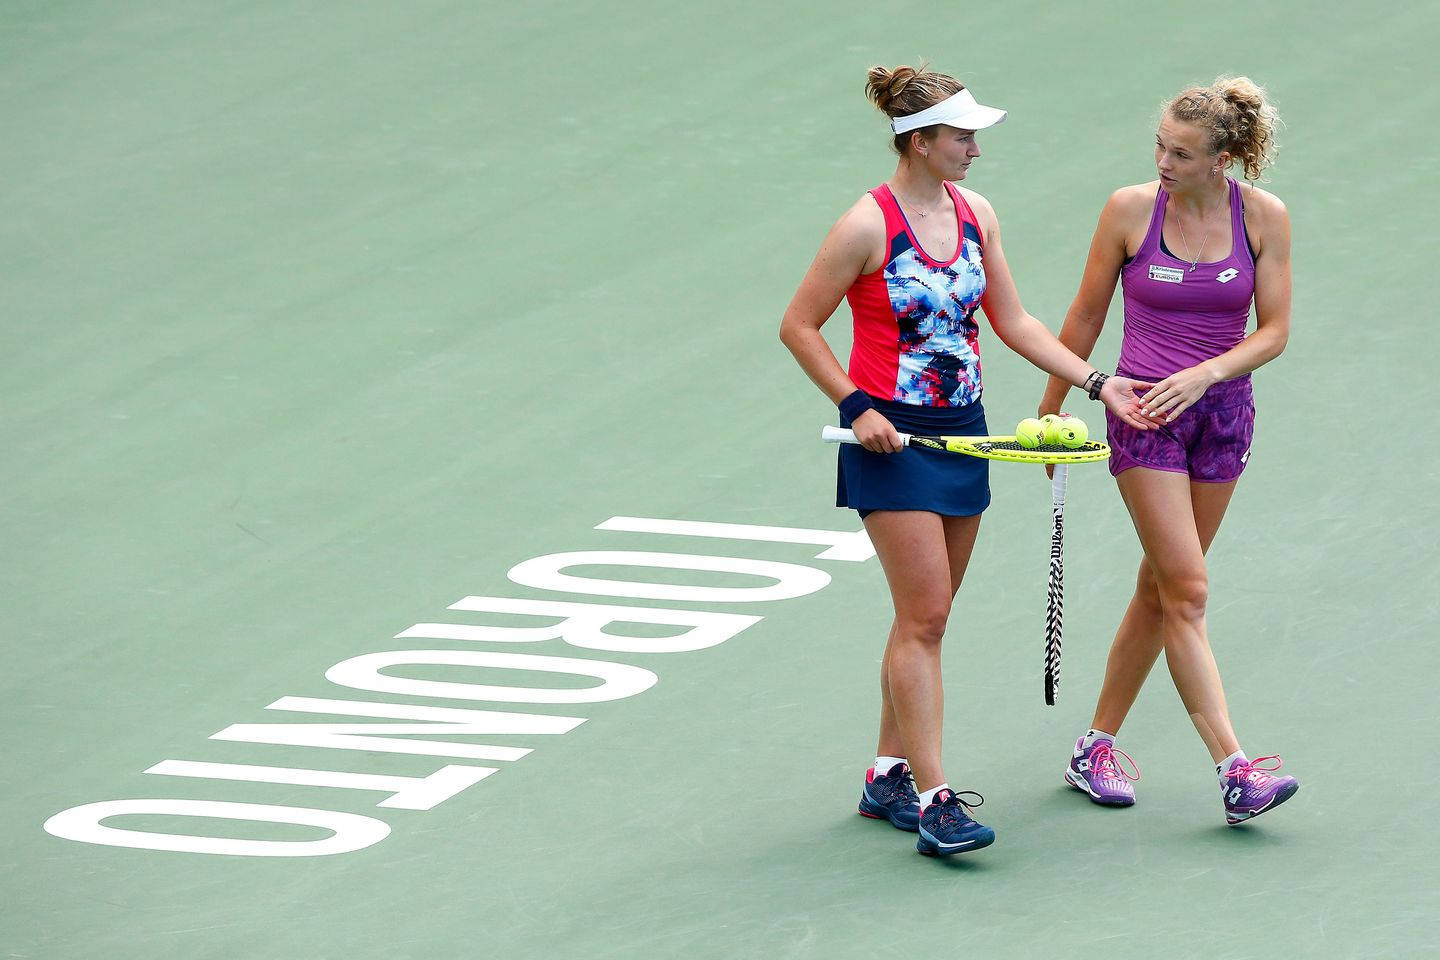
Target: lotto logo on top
{"x": 1225, "y": 276}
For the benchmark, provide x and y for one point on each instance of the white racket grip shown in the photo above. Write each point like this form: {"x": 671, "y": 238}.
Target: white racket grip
{"x": 1057, "y": 487}
{"x": 841, "y": 435}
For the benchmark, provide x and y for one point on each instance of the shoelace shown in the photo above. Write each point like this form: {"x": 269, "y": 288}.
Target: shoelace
{"x": 1103, "y": 758}
{"x": 1252, "y": 771}
{"x": 903, "y": 787}
{"x": 947, "y": 813}
{"x": 907, "y": 788}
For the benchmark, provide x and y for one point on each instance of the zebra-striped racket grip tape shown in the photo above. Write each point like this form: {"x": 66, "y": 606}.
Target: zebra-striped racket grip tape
{"x": 1055, "y": 600}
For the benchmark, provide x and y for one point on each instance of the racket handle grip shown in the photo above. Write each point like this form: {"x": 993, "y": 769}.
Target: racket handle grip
{"x": 1057, "y": 485}
{"x": 841, "y": 435}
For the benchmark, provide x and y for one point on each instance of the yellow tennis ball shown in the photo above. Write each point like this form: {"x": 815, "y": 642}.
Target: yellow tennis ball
{"x": 1030, "y": 433}
{"x": 1076, "y": 430}
{"x": 1052, "y": 424}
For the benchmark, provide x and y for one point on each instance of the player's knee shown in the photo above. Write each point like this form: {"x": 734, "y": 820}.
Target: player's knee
{"x": 925, "y": 627}
{"x": 1184, "y": 596}
{"x": 1147, "y": 590}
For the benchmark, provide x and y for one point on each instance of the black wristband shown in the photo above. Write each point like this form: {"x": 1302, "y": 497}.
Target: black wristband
{"x": 856, "y": 404}
{"x": 1094, "y": 382}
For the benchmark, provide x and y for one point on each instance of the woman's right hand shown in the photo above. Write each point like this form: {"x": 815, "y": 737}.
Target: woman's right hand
{"x": 875, "y": 433}
{"x": 1119, "y": 396}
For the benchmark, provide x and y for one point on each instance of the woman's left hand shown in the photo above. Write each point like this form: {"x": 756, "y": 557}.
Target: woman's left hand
{"x": 1172, "y": 396}
{"x": 1118, "y": 393}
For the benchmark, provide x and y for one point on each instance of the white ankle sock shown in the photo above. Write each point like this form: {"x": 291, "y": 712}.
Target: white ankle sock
{"x": 1092, "y": 736}
{"x": 883, "y": 765}
{"x": 927, "y": 797}
{"x": 1224, "y": 765}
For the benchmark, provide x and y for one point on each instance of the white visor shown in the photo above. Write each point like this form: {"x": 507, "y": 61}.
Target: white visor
{"x": 960, "y": 111}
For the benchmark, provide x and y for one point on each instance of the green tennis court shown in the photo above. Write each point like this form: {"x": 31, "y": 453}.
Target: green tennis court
{"x": 349, "y": 346}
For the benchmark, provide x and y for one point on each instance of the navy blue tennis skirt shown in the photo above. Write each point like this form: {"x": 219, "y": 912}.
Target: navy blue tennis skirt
{"x": 951, "y": 485}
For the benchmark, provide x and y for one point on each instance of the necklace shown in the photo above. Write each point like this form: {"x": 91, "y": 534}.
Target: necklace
{"x": 911, "y": 203}
{"x": 1181, "y": 224}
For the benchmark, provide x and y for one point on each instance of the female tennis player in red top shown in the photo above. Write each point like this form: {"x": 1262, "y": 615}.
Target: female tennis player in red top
{"x": 915, "y": 257}
{"x": 1185, "y": 320}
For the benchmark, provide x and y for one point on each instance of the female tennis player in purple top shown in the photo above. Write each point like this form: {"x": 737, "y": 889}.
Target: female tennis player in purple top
{"x": 1191, "y": 251}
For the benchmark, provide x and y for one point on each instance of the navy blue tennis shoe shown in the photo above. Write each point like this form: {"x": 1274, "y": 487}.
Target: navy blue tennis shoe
{"x": 891, "y": 796}
{"x": 946, "y": 826}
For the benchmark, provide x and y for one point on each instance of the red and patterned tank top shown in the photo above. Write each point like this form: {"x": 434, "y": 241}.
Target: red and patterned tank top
{"x": 916, "y": 340}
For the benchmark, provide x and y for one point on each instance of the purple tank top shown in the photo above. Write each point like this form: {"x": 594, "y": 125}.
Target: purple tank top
{"x": 1176, "y": 317}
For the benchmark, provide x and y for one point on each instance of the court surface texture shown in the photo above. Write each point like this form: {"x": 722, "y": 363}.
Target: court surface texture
{"x": 347, "y": 347}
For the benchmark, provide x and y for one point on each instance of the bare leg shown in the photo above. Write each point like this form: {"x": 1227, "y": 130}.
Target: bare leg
{"x": 889, "y": 744}
{"x": 960, "y": 533}
{"x": 1161, "y": 508}
{"x": 1139, "y": 639}
{"x": 924, "y": 558}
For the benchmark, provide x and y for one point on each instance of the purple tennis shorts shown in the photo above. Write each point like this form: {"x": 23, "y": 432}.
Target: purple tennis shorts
{"x": 1209, "y": 441}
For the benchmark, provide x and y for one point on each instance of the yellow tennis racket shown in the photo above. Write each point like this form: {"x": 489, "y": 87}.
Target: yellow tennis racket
{"x": 990, "y": 448}
{"x": 1008, "y": 448}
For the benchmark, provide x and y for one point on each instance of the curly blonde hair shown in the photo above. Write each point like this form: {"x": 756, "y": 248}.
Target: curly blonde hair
{"x": 1236, "y": 116}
